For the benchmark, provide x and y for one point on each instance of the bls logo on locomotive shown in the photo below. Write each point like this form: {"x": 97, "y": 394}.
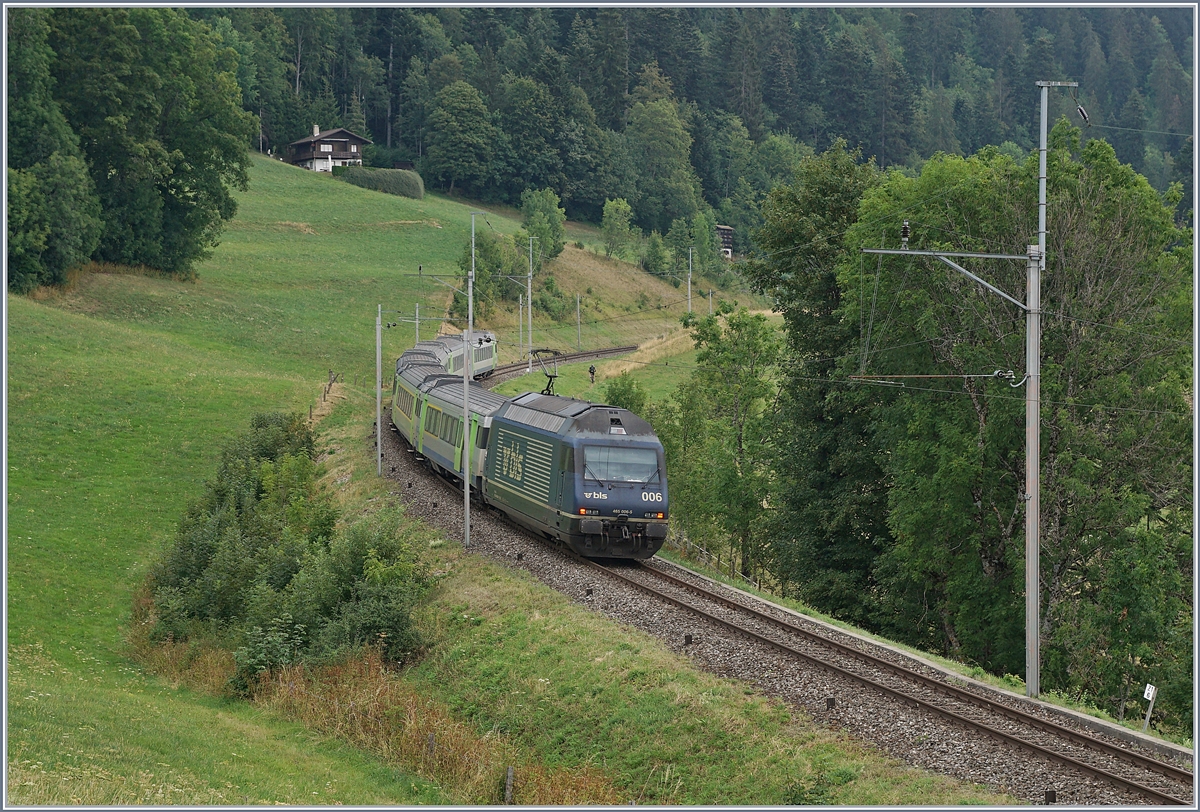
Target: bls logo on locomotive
{"x": 512, "y": 462}
{"x": 596, "y": 495}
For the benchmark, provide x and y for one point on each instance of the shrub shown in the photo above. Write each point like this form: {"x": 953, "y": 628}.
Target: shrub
{"x": 266, "y": 650}
{"x": 553, "y": 302}
{"x": 625, "y": 392}
{"x": 401, "y": 182}
{"x": 253, "y": 523}
{"x": 258, "y": 559}
{"x": 361, "y": 590}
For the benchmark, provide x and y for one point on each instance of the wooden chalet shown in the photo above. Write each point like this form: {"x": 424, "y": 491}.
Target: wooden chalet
{"x": 323, "y": 150}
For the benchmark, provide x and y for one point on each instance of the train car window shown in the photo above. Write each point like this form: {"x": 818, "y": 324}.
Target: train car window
{"x": 606, "y": 463}
{"x": 481, "y": 437}
{"x": 404, "y": 400}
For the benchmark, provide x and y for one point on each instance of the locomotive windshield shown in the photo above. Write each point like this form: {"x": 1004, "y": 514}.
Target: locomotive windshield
{"x": 608, "y": 463}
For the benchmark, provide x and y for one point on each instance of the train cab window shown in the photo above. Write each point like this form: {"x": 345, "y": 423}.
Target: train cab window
{"x": 605, "y": 463}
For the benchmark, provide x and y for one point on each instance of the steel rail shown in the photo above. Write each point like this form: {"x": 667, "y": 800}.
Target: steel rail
{"x": 567, "y": 358}
{"x": 1015, "y": 714}
{"x": 1087, "y": 769}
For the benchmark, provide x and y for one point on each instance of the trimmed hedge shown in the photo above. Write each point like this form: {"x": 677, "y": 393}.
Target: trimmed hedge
{"x": 400, "y": 182}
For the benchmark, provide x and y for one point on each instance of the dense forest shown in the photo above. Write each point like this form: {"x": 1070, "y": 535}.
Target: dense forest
{"x": 680, "y": 112}
{"x": 673, "y": 109}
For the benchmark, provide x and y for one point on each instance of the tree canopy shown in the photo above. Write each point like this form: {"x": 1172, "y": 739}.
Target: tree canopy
{"x": 131, "y": 133}
{"x": 904, "y": 508}
{"x": 680, "y": 109}
{"x": 53, "y": 212}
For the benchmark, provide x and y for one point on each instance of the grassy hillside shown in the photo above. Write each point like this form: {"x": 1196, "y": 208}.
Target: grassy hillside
{"x": 120, "y": 392}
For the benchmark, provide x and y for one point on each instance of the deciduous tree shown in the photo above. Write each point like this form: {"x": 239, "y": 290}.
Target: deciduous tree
{"x": 158, "y": 110}
{"x": 545, "y": 221}
{"x": 830, "y": 519}
{"x": 461, "y": 138}
{"x": 53, "y": 212}
{"x": 616, "y": 227}
{"x": 1116, "y": 352}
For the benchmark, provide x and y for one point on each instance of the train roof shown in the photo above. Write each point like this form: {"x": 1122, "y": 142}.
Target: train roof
{"x": 560, "y": 415}
{"x": 438, "y": 350}
{"x": 417, "y": 357}
{"x": 416, "y": 374}
{"x": 449, "y": 389}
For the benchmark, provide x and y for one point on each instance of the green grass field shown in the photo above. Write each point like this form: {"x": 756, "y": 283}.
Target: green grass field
{"x": 120, "y": 392}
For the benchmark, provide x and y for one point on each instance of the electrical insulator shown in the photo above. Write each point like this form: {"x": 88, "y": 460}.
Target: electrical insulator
{"x": 904, "y": 232}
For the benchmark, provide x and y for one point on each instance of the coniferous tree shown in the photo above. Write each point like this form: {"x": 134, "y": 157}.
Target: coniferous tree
{"x": 742, "y": 92}
{"x": 847, "y": 103}
{"x": 610, "y": 69}
{"x": 1129, "y": 141}
{"x": 831, "y": 520}
{"x": 893, "y": 105}
{"x": 1171, "y": 97}
{"x": 781, "y": 74}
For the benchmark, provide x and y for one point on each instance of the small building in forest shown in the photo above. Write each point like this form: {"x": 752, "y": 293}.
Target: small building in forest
{"x": 325, "y": 149}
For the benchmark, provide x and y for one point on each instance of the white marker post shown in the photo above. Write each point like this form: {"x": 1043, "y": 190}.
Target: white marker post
{"x": 1151, "y": 693}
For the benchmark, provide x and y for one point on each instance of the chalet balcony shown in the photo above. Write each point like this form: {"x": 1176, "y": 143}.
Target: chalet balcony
{"x": 310, "y": 154}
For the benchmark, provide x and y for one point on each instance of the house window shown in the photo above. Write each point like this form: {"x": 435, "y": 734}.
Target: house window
{"x": 354, "y": 147}
{"x": 327, "y": 148}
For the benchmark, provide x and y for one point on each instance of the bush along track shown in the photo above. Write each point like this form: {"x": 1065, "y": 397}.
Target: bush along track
{"x": 272, "y": 593}
{"x": 261, "y": 564}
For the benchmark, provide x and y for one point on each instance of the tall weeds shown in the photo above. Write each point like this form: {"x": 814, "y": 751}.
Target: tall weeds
{"x": 361, "y": 702}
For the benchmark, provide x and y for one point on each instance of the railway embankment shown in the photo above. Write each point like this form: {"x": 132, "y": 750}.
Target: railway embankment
{"x": 511, "y": 672}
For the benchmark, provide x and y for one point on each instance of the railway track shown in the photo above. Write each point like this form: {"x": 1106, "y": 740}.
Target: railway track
{"x": 1157, "y": 781}
{"x": 506, "y": 371}
{"x": 937, "y": 723}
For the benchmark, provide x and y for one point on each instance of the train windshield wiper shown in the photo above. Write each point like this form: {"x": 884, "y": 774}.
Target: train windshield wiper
{"x": 653, "y": 475}
{"x": 587, "y": 470}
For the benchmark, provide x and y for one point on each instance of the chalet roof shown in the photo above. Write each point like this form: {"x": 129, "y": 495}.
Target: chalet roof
{"x": 339, "y": 134}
